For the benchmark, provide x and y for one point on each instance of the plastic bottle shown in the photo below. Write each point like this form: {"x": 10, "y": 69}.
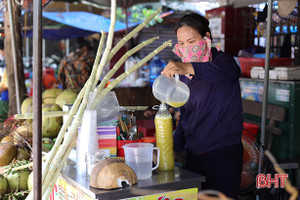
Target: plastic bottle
{"x": 164, "y": 138}
{"x": 156, "y": 66}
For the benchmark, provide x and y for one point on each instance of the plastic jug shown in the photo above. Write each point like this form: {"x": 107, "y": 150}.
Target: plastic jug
{"x": 139, "y": 157}
{"x": 171, "y": 90}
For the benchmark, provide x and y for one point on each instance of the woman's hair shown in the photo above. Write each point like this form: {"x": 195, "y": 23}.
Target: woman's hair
{"x": 195, "y": 21}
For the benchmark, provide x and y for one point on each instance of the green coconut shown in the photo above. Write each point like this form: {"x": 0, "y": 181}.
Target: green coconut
{"x": 51, "y": 125}
{"x": 26, "y": 106}
{"x": 17, "y": 180}
{"x": 49, "y": 96}
{"x": 8, "y": 152}
{"x": 30, "y": 181}
{"x": 3, "y": 185}
{"x": 47, "y": 143}
{"x": 68, "y": 96}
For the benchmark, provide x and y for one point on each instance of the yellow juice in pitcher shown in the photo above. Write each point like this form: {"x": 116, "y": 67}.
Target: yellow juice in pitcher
{"x": 177, "y": 104}
{"x": 164, "y": 140}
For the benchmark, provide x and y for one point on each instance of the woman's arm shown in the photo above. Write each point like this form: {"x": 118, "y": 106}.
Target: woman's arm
{"x": 222, "y": 69}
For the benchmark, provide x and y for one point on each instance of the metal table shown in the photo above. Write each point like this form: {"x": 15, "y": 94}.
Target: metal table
{"x": 159, "y": 182}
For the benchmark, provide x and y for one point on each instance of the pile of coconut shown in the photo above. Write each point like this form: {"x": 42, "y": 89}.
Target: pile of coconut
{"x": 53, "y": 100}
{"x": 16, "y": 141}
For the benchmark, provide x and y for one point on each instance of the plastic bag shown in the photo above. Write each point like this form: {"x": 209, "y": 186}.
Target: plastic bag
{"x": 108, "y": 108}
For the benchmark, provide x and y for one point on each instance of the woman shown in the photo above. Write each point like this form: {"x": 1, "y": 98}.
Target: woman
{"x": 210, "y": 122}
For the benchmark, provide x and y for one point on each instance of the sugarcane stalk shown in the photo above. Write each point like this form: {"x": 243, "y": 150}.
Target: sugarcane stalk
{"x": 108, "y": 41}
{"x": 100, "y": 96}
{"x": 100, "y": 47}
{"x": 121, "y": 61}
{"x": 73, "y": 110}
{"x": 60, "y": 154}
{"x": 78, "y": 118}
{"x": 44, "y": 114}
{"x": 71, "y": 131}
{"x": 49, "y": 188}
{"x": 131, "y": 34}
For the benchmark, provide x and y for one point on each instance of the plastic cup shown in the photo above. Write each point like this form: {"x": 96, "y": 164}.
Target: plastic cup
{"x": 139, "y": 157}
{"x": 171, "y": 90}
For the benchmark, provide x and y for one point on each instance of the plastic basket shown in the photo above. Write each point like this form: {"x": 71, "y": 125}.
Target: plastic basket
{"x": 248, "y": 63}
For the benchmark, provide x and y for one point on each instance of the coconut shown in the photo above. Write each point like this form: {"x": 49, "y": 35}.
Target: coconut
{"x": 22, "y": 154}
{"x": 8, "y": 139}
{"x": 8, "y": 152}
{"x": 51, "y": 125}
{"x": 3, "y": 185}
{"x": 49, "y": 95}
{"x": 109, "y": 174}
{"x": 68, "y": 96}
{"x": 26, "y": 106}
{"x": 17, "y": 180}
{"x": 25, "y": 130}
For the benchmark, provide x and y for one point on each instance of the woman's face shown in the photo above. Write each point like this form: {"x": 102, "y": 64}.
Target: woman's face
{"x": 187, "y": 36}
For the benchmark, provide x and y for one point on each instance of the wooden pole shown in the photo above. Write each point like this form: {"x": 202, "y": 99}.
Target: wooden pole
{"x": 14, "y": 55}
{"x": 37, "y": 99}
{"x": 12, "y": 72}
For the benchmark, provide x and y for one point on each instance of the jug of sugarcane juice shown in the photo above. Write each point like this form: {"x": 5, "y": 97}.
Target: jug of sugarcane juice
{"x": 164, "y": 138}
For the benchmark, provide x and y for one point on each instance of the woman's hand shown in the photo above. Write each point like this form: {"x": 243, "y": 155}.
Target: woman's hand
{"x": 173, "y": 68}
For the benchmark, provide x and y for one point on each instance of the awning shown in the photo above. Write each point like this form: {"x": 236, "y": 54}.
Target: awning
{"x": 85, "y": 21}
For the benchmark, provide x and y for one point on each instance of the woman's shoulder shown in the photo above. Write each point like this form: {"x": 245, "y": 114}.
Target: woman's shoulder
{"x": 220, "y": 56}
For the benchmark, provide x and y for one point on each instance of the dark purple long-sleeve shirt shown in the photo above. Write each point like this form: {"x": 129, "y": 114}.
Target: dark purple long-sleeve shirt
{"x": 212, "y": 118}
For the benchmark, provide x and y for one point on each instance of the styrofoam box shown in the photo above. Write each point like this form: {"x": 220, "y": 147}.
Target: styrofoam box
{"x": 288, "y": 73}
{"x": 255, "y": 71}
{"x": 273, "y": 74}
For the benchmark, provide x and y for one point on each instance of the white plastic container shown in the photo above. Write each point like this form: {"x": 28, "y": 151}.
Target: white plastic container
{"x": 171, "y": 90}
{"x": 139, "y": 157}
{"x": 256, "y": 71}
{"x": 288, "y": 73}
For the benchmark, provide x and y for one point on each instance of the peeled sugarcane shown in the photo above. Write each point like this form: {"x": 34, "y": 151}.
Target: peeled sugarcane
{"x": 131, "y": 34}
{"x": 126, "y": 38}
{"x": 58, "y": 156}
{"x": 52, "y": 169}
{"x": 29, "y": 165}
{"x": 109, "y": 40}
{"x": 100, "y": 96}
{"x": 120, "y": 62}
{"x": 44, "y": 114}
{"x": 72, "y": 112}
{"x": 72, "y": 130}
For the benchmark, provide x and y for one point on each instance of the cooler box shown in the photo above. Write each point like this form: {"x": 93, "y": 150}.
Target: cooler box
{"x": 287, "y": 95}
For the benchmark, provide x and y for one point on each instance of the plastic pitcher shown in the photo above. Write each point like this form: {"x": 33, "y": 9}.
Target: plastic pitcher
{"x": 171, "y": 90}
{"x": 139, "y": 157}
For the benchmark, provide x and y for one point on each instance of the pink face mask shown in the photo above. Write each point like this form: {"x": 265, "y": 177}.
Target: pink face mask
{"x": 200, "y": 52}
